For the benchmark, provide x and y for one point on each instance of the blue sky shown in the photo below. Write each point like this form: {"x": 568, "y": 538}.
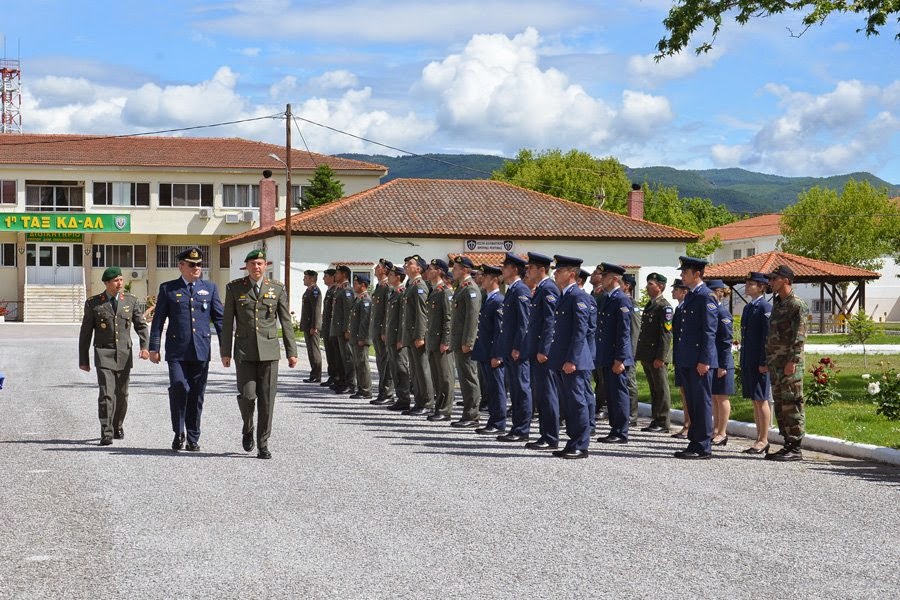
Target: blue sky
{"x": 488, "y": 76}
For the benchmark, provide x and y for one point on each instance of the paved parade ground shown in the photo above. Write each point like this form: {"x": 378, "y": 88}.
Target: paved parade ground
{"x": 362, "y": 503}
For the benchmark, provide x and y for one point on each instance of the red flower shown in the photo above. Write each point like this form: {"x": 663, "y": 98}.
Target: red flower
{"x": 825, "y": 360}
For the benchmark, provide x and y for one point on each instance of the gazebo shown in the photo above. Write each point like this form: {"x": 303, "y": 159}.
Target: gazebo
{"x": 806, "y": 270}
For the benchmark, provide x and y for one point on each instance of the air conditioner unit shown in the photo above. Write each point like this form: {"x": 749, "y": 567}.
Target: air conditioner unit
{"x": 205, "y": 213}
{"x": 232, "y": 218}
{"x": 138, "y": 274}
{"x": 249, "y": 216}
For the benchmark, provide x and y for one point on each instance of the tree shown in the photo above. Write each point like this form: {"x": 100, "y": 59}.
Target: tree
{"x": 861, "y": 327}
{"x": 324, "y": 187}
{"x": 687, "y": 16}
{"x": 575, "y": 176}
{"x": 663, "y": 205}
{"x": 857, "y": 227}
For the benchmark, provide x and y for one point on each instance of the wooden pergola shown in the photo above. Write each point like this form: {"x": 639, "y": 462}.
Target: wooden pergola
{"x": 829, "y": 276}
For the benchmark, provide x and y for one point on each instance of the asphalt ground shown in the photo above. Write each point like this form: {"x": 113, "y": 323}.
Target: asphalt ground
{"x": 362, "y": 503}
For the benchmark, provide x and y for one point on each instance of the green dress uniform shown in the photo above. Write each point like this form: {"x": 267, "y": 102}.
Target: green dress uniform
{"x": 437, "y": 333}
{"x": 787, "y": 337}
{"x": 360, "y": 319}
{"x": 340, "y": 329}
{"x": 332, "y": 355}
{"x": 108, "y": 321}
{"x": 465, "y": 308}
{"x": 414, "y": 326}
{"x": 311, "y": 325}
{"x": 250, "y": 336}
{"x": 379, "y": 311}
{"x": 655, "y": 343}
{"x": 398, "y": 358}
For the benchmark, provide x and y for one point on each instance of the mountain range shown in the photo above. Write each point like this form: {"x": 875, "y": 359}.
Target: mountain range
{"x": 741, "y": 191}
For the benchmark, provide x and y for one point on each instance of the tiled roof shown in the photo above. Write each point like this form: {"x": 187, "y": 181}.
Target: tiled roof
{"x": 806, "y": 270}
{"x": 755, "y": 227}
{"x": 161, "y": 152}
{"x": 465, "y": 209}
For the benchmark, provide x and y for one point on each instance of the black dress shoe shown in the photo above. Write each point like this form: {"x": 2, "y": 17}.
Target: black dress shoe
{"x": 465, "y": 423}
{"x": 351, "y": 389}
{"x": 612, "y": 439}
{"x": 541, "y": 445}
{"x": 357, "y": 396}
{"x": 398, "y": 407}
{"x": 247, "y": 441}
{"x": 341, "y": 389}
{"x": 438, "y": 417}
{"x": 784, "y": 455}
{"x": 763, "y": 450}
{"x": 119, "y": 434}
{"x": 602, "y": 415}
{"x": 692, "y": 455}
{"x": 416, "y": 412}
{"x": 327, "y": 383}
{"x": 489, "y": 431}
{"x": 570, "y": 454}
{"x": 313, "y": 380}
{"x": 655, "y": 429}
{"x": 192, "y": 447}
{"x": 106, "y": 441}
{"x": 722, "y": 442}
{"x": 264, "y": 453}
{"x": 633, "y": 423}
{"x": 512, "y": 437}
{"x": 178, "y": 441}
{"x": 681, "y": 435}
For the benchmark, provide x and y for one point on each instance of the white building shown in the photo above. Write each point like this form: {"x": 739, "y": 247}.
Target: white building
{"x": 72, "y": 205}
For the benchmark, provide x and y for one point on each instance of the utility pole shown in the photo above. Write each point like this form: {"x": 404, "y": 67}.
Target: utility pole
{"x": 289, "y": 196}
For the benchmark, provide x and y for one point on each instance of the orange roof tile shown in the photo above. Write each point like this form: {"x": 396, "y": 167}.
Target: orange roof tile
{"x": 806, "y": 270}
{"x": 465, "y": 209}
{"x": 761, "y": 226}
{"x": 161, "y": 152}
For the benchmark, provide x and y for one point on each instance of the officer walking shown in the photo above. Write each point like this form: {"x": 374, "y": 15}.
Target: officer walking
{"x": 784, "y": 357}
{"x": 614, "y": 352}
{"x": 654, "y": 351}
{"x": 311, "y": 324}
{"x": 437, "y": 340}
{"x": 398, "y": 356}
{"x": 488, "y": 354}
{"x": 465, "y": 308}
{"x": 107, "y": 319}
{"x": 379, "y": 311}
{"x": 340, "y": 330}
{"x": 414, "y": 327}
{"x": 254, "y": 308}
{"x": 360, "y": 320}
{"x": 516, "y": 306}
{"x": 189, "y": 304}
{"x": 332, "y": 354}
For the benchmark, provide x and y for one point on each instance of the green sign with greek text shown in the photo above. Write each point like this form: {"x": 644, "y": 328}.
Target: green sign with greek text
{"x": 55, "y": 236}
{"x": 65, "y": 223}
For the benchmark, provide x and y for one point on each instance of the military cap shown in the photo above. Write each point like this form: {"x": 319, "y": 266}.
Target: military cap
{"x": 491, "y": 270}
{"x": 254, "y": 254}
{"x": 344, "y": 269}
{"x": 757, "y": 277}
{"x": 383, "y": 262}
{"x": 611, "y": 268}
{"x": 399, "y": 270}
{"x": 540, "y": 260}
{"x": 311, "y": 273}
{"x": 679, "y": 284}
{"x": 418, "y": 259}
{"x": 657, "y": 278}
{"x": 361, "y": 278}
{"x": 464, "y": 261}
{"x": 514, "y": 260}
{"x": 783, "y": 271}
{"x": 440, "y": 264}
{"x": 388, "y": 265}
{"x": 567, "y": 261}
{"x": 584, "y": 275}
{"x": 111, "y": 273}
{"x": 689, "y": 262}
{"x": 330, "y": 271}
{"x": 716, "y": 284}
{"x": 191, "y": 255}
{"x": 630, "y": 280}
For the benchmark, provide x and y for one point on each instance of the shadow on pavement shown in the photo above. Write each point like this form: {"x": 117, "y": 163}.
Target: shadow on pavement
{"x": 867, "y": 471}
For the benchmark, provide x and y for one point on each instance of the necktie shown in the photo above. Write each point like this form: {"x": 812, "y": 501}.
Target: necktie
{"x": 256, "y": 288}
{"x": 114, "y": 301}
{"x": 190, "y": 289}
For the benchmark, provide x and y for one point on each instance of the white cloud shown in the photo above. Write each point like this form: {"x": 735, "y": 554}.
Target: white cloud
{"x": 642, "y": 114}
{"x": 647, "y": 72}
{"x": 334, "y": 80}
{"x": 250, "y": 52}
{"x": 283, "y": 88}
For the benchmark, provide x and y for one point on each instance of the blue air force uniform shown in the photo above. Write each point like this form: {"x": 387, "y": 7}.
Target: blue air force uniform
{"x": 614, "y": 344}
{"x": 487, "y": 346}
{"x": 516, "y": 307}
{"x": 754, "y": 331}
{"x": 724, "y": 386}
{"x": 539, "y": 335}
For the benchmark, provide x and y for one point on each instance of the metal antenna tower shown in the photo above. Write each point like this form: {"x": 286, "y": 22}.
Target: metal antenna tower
{"x": 10, "y": 94}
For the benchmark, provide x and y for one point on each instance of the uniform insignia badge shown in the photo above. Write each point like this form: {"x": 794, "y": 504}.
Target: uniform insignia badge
{"x": 347, "y": 293}
{"x": 551, "y": 298}
{"x": 726, "y": 321}
{"x": 668, "y": 326}
{"x": 624, "y": 309}
{"x": 768, "y": 314}
{"x": 203, "y": 292}
{"x": 242, "y": 297}
{"x": 365, "y": 303}
{"x": 711, "y": 306}
{"x": 582, "y": 305}
{"x": 524, "y": 298}
{"x": 102, "y": 325}
{"x": 420, "y": 290}
{"x": 472, "y": 294}
{"x": 204, "y": 305}
{"x": 178, "y": 295}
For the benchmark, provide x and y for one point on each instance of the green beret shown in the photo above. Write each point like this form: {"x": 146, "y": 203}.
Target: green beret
{"x": 111, "y": 273}
{"x": 254, "y": 254}
{"x": 657, "y": 278}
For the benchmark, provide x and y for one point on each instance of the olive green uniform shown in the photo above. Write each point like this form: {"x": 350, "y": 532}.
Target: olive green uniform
{"x": 414, "y": 325}
{"x": 787, "y": 337}
{"x": 465, "y": 307}
{"x": 360, "y": 320}
{"x": 250, "y": 336}
{"x": 111, "y": 331}
{"x": 332, "y": 355}
{"x": 655, "y": 343}
{"x": 340, "y": 330}
{"x": 437, "y": 333}
{"x": 311, "y": 325}
{"x": 379, "y": 310}
{"x": 398, "y": 358}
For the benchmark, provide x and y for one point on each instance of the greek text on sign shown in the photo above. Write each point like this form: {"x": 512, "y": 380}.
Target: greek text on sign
{"x": 489, "y": 245}
{"x": 65, "y": 222}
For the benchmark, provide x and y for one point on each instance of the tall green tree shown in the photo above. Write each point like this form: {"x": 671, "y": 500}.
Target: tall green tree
{"x": 857, "y": 227}
{"x": 663, "y": 205}
{"x": 575, "y": 176}
{"x": 324, "y": 187}
{"x": 687, "y": 16}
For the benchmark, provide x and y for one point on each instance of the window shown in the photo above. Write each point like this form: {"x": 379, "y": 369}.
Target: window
{"x": 185, "y": 194}
{"x": 224, "y": 257}
{"x": 817, "y": 306}
{"x": 54, "y": 196}
{"x": 166, "y": 255}
{"x": 119, "y": 193}
{"x": 240, "y": 196}
{"x": 298, "y": 194}
{"x": 751, "y": 251}
{"x": 7, "y": 255}
{"x": 736, "y": 254}
{"x": 115, "y": 255}
{"x": 7, "y": 191}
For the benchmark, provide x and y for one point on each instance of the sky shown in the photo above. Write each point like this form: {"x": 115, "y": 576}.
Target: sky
{"x": 467, "y": 76}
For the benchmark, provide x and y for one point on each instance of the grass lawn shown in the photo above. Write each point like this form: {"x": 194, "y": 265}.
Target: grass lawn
{"x": 841, "y": 338}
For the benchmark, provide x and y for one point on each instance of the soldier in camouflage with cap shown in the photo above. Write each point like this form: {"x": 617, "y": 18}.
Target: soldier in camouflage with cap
{"x": 376, "y": 324}
{"x": 340, "y": 329}
{"x": 465, "y": 306}
{"x": 413, "y": 335}
{"x": 784, "y": 358}
{"x": 398, "y": 357}
{"x": 360, "y": 340}
{"x": 437, "y": 340}
{"x": 654, "y": 351}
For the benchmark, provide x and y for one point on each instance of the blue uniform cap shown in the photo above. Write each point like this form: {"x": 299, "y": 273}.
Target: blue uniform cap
{"x": 611, "y": 268}
{"x": 584, "y": 275}
{"x": 716, "y": 284}
{"x": 757, "y": 277}
{"x": 464, "y": 261}
{"x": 513, "y": 259}
{"x": 191, "y": 255}
{"x": 399, "y": 270}
{"x": 538, "y": 259}
{"x": 440, "y": 264}
{"x": 490, "y": 270}
{"x": 628, "y": 277}
{"x": 344, "y": 269}
{"x": 362, "y": 278}
{"x": 783, "y": 271}
{"x": 567, "y": 261}
{"x": 689, "y": 262}
{"x": 419, "y": 260}
{"x": 679, "y": 284}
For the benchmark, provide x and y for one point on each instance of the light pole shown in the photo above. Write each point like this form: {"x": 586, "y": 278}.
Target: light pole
{"x": 289, "y": 200}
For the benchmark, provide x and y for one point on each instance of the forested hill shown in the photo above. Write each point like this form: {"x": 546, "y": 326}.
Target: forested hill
{"x": 740, "y": 190}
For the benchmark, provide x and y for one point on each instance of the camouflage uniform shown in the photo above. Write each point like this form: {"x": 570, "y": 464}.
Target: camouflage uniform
{"x": 787, "y": 335}
{"x": 360, "y": 319}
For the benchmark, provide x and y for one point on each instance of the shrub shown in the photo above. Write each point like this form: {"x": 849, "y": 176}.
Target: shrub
{"x": 886, "y": 392}
{"x": 824, "y": 386}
